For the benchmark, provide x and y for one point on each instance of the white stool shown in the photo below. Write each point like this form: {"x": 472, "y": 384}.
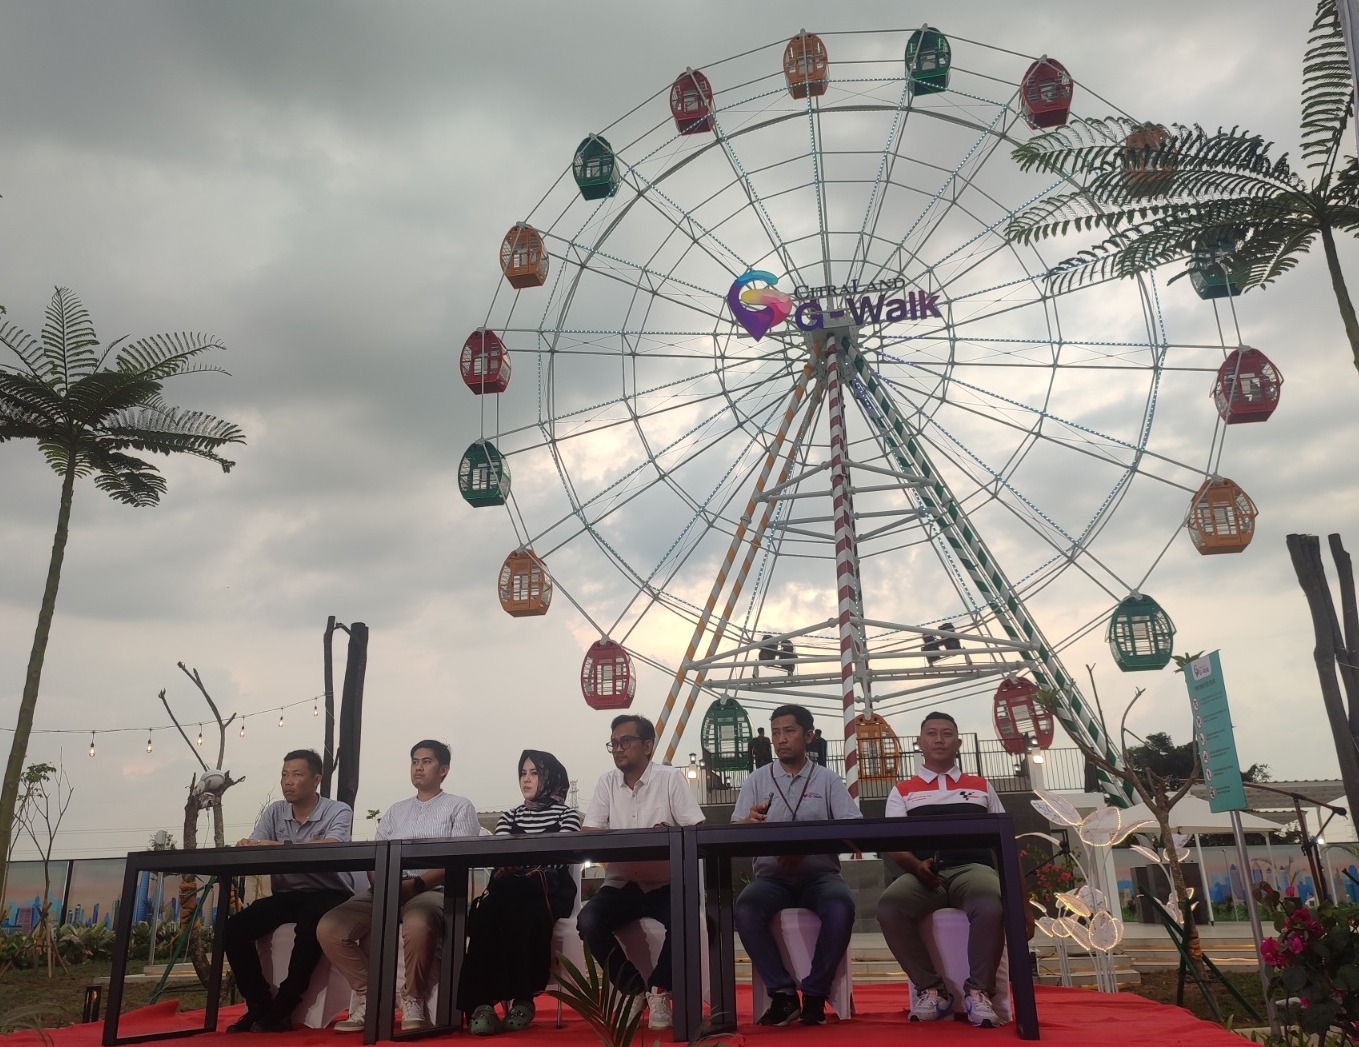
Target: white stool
{"x": 946, "y": 934}
{"x": 328, "y": 993}
{"x": 796, "y": 931}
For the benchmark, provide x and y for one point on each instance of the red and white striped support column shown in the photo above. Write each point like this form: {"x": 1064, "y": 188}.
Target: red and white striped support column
{"x": 846, "y": 564}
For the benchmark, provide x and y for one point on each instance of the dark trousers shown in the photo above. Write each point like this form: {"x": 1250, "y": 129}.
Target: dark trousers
{"x": 764, "y": 897}
{"x": 303, "y": 908}
{"x": 609, "y": 910}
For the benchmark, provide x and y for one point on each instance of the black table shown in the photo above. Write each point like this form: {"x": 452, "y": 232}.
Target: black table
{"x": 717, "y": 844}
{"x": 458, "y": 857}
{"x": 226, "y": 863}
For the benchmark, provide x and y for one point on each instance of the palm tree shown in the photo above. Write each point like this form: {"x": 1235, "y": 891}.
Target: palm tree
{"x": 1238, "y": 214}
{"x": 86, "y": 417}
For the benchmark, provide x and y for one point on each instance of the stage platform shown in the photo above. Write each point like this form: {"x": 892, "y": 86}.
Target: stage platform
{"x": 1066, "y": 1016}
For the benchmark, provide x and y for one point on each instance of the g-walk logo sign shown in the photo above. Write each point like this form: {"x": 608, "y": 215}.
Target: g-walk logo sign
{"x": 760, "y": 308}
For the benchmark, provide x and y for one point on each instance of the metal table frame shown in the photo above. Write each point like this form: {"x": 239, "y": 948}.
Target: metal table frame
{"x": 226, "y": 863}
{"x": 716, "y": 845}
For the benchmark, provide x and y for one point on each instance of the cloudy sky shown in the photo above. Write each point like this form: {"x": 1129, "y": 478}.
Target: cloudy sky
{"x": 324, "y": 187}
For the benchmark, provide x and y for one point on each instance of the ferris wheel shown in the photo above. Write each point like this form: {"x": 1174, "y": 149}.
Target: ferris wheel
{"x": 790, "y": 418}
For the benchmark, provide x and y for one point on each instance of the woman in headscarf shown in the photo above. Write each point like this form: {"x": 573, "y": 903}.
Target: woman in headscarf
{"x": 509, "y": 929}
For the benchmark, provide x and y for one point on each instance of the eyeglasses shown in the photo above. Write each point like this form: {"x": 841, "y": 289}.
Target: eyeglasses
{"x": 614, "y": 744}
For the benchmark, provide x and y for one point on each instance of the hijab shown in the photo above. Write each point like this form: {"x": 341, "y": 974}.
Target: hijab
{"x": 553, "y": 781}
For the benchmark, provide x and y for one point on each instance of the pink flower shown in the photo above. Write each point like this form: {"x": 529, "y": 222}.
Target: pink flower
{"x": 1296, "y": 944}
{"x": 1269, "y": 951}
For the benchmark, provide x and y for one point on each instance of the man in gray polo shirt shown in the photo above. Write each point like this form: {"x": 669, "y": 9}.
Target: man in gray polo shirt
{"x": 301, "y": 817}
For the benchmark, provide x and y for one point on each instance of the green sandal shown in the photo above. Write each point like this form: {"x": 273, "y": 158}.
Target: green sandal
{"x": 485, "y": 1022}
{"x": 521, "y": 1014}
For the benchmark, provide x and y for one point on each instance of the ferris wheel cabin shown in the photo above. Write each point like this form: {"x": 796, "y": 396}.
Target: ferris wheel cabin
{"x": 1141, "y": 635}
{"x": 524, "y": 588}
{"x": 523, "y": 258}
{"x": 1046, "y": 93}
{"x": 483, "y": 475}
{"x": 1247, "y": 386}
{"x": 595, "y": 168}
{"x": 879, "y": 749}
{"x": 928, "y": 59}
{"x": 725, "y": 736}
{"x": 1021, "y": 723}
{"x": 485, "y": 362}
{"x": 1149, "y": 160}
{"x": 691, "y": 103}
{"x": 607, "y": 679}
{"x": 805, "y": 65}
{"x": 1221, "y": 517}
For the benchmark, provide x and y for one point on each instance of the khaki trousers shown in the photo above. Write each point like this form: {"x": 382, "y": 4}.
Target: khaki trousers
{"x": 343, "y": 934}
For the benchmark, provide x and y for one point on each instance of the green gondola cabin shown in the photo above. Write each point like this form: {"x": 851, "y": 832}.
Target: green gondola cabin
{"x": 483, "y": 475}
{"x": 595, "y": 168}
{"x": 1141, "y": 635}
{"x": 725, "y": 735}
{"x": 806, "y": 65}
{"x": 928, "y": 59}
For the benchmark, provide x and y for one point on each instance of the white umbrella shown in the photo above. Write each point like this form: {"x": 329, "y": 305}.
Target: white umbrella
{"x": 1193, "y": 815}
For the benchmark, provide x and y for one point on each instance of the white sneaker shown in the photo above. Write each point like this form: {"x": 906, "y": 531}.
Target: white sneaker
{"x": 412, "y": 1013}
{"x": 358, "y": 1010}
{"x": 979, "y": 1010}
{"x": 930, "y": 1005}
{"x": 658, "y": 1010}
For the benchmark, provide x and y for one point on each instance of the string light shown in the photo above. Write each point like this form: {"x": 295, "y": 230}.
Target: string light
{"x": 151, "y": 731}
{"x": 148, "y": 739}
{"x": 242, "y": 726}
{"x": 280, "y": 717}
{"x": 199, "y": 743}
{"x": 315, "y": 709}
{"x": 91, "y": 743}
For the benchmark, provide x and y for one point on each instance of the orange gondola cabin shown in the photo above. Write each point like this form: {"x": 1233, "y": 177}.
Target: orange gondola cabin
{"x": 607, "y": 679}
{"x": 485, "y": 362}
{"x": 691, "y": 103}
{"x": 525, "y": 588}
{"x": 879, "y": 750}
{"x": 1221, "y": 517}
{"x": 523, "y": 258}
{"x": 806, "y": 65}
{"x": 1021, "y": 723}
{"x": 1046, "y": 93}
{"x": 1247, "y": 387}
{"x": 1149, "y": 160}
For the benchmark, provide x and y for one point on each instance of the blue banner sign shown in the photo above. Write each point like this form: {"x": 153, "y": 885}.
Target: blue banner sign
{"x": 1213, "y": 734}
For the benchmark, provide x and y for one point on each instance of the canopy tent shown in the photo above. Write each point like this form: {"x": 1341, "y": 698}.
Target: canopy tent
{"x": 1193, "y": 815}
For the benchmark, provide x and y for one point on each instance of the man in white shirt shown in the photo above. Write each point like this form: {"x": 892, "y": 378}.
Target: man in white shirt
{"x": 962, "y": 879}
{"x": 430, "y": 813}
{"x": 635, "y": 794}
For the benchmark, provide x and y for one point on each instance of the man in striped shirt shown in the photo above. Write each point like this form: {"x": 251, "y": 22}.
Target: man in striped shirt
{"x": 962, "y": 879}
{"x": 430, "y": 814}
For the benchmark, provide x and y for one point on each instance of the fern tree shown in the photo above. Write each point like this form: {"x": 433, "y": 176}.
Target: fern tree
{"x": 1223, "y": 203}
{"x": 89, "y": 411}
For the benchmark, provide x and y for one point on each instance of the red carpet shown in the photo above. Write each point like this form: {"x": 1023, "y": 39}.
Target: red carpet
{"x": 1066, "y": 1016}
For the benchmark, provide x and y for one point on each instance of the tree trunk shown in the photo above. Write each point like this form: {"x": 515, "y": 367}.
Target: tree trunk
{"x": 1305, "y": 549}
{"x": 1348, "y": 646}
{"x": 28, "y": 703}
{"x": 1342, "y": 293}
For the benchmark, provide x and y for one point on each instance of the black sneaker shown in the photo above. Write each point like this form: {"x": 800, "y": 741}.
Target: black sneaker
{"x": 813, "y": 1009}
{"x": 272, "y": 1023}
{"x": 245, "y": 1023}
{"x": 783, "y": 1008}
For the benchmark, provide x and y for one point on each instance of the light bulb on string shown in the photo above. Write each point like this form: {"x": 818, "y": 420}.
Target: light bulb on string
{"x": 280, "y": 717}
{"x": 148, "y": 739}
{"x": 199, "y": 743}
{"x": 315, "y": 709}
{"x": 91, "y": 743}
{"x": 242, "y": 726}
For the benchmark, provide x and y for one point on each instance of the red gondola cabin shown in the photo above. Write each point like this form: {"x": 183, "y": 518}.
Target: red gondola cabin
{"x": 485, "y": 362}
{"x": 607, "y": 679}
{"x": 525, "y": 588}
{"x": 1221, "y": 517}
{"x": 1046, "y": 93}
{"x": 805, "y": 65}
{"x": 1021, "y": 723}
{"x": 523, "y": 258}
{"x": 1247, "y": 387}
{"x": 691, "y": 103}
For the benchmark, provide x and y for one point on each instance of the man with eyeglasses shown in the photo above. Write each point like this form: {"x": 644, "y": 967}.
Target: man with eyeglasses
{"x": 635, "y": 794}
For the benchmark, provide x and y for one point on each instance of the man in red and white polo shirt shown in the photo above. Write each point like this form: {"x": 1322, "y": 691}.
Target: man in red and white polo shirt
{"x": 961, "y": 879}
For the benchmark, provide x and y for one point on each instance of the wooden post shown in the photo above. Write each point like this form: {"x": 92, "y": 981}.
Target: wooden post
{"x": 351, "y": 715}
{"x": 328, "y": 750}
